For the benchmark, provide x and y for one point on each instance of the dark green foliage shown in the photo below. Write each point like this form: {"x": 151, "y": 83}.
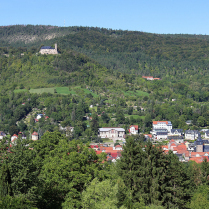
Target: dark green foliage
{"x": 16, "y": 202}
{"x": 153, "y": 176}
{"x": 5, "y": 181}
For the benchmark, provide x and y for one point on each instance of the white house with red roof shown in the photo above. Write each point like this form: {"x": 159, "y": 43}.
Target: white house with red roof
{"x": 34, "y": 136}
{"x": 149, "y": 78}
{"x": 134, "y": 129}
{"x": 161, "y": 129}
{"x": 13, "y": 138}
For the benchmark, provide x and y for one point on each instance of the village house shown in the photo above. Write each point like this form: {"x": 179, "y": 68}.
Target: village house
{"x": 34, "y": 136}
{"x": 149, "y": 78}
{"x": 176, "y": 132}
{"x": 2, "y": 135}
{"x": 191, "y": 134}
{"x": 160, "y": 134}
{"x": 13, "y": 138}
{"x": 207, "y": 134}
{"x": 48, "y": 50}
{"x": 162, "y": 125}
{"x": 161, "y": 129}
{"x": 112, "y": 133}
{"x": 134, "y": 129}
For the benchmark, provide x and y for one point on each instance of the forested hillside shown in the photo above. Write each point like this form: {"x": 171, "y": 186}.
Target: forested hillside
{"x": 96, "y": 81}
{"x": 171, "y": 56}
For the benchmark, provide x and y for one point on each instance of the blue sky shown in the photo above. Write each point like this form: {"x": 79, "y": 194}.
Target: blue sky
{"x": 155, "y": 16}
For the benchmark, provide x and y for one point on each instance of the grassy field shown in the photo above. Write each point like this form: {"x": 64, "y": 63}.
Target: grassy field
{"x": 135, "y": 93}
{"x": 59, "y": 90}
{"x": 64, "y": 90}
{"x": 42, "y": 90}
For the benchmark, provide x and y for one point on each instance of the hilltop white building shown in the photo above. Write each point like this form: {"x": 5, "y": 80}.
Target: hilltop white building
{"x": 48, "y": 50}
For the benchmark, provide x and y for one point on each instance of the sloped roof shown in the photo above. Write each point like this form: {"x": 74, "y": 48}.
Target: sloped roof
{"x": 199, "y": 159}
{"x": 135, "y": 126}
{"x": 156, "y": 122}
{"x": 177, "y": 130}
{"x": 2, "y": 133}
{"x": 35, "y": 133}
{"x": 108, "y": 129}
{"x": 47, "y": 47}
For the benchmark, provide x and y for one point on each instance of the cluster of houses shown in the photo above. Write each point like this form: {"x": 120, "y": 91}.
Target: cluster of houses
{"x": 197, "y": 151}
{"x": 179, "y": 141}
{"x": 113, "y": 153}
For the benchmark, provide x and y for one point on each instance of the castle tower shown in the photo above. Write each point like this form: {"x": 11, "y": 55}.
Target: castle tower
{"x": 56, "y": 46}
{"x": 199, "y": 144}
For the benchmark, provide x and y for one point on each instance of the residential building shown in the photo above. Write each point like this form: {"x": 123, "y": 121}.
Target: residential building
{"x": 162, "y": 125}
{"x": 191, "y": 134}
{"x": 134, "y": 129}
{"x": 2, "y": 135}
{"x": 34, "y": 136}
{"x": 112, "y": 133}
{"x": 176, "y": 132}
{"x": 207, "y": 134}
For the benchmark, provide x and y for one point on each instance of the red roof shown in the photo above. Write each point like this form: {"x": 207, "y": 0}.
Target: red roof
{"x": 35, "y": 133}
{"x": 94, "y": 146}
{"x": 15, "y": 135}
{"x": 156, "y": 78}
{"x": 193, "y": 154}
{"x": 165, "y": 147}
{"x": 156, "y": 122}
{"x": 199, "y": 159}
{"x": 150, "y": 135}
{"x": 118, "y": 145}
{"x": 135, "y": 126}
{"x": 147, "y": 76}
{"x": 98, "y": 152}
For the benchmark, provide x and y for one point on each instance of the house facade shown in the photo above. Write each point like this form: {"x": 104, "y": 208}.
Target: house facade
{"x": 162, "y": 125}
{"x": 191, "y": 134}
{"x": 176, "y": 132}
{"x": 2, "y": 135}
{"x": 34, "y": 136}
{"x": 134, "y": 129}
{"x": 112, "y": 133}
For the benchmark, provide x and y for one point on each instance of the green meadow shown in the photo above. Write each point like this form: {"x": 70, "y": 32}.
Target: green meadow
{"x": 59, "y": 90}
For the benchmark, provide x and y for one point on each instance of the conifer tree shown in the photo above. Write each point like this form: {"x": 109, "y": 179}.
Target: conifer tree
{"x": 5, "y": 181}
{"x": 152, "y": 175}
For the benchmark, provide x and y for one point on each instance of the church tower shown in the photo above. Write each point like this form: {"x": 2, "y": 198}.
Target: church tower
{"x": 199, "y": 144}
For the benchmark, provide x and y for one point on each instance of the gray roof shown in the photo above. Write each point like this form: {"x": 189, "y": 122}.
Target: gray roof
{"x": 47, "y": 47}
{"x": 199, "y": 140}
{"x": 178, "y": 130}
{"x": 109, "y": 128}
{"x": 191, "y": 131}
{"x": 161, "y": 133}
{"x": 160, "y": 130}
